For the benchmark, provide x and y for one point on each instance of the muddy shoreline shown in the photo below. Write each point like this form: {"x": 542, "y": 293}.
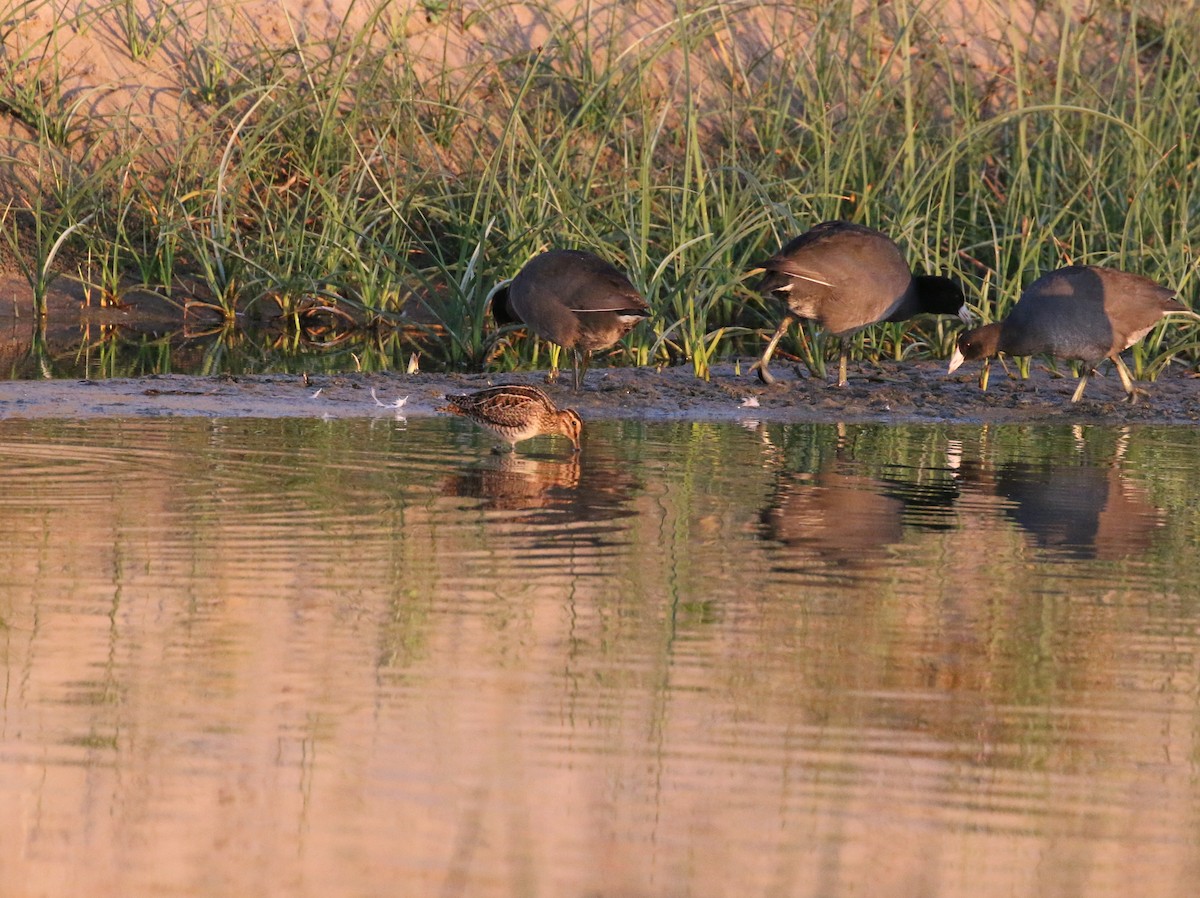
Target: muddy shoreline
{"x": 919, "y": 392}
{"x": 889, "y": 392}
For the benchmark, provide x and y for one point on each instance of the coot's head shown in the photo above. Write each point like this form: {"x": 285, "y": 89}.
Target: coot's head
{"x": 977, "y": 343}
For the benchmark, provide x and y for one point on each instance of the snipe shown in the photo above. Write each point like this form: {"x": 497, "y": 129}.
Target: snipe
{"x": 516, "y": 412}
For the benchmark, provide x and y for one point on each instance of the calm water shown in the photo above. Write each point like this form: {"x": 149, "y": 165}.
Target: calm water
{"x": 367, "y": 658}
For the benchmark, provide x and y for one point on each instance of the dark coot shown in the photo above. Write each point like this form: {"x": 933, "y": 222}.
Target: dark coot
{"x": 574, "y": 299}
{"x": 845, "y": 277}
{"x": 1081, "y": 312}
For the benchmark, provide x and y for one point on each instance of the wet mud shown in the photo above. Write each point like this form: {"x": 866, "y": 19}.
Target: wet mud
{"x": 900, "y": 392}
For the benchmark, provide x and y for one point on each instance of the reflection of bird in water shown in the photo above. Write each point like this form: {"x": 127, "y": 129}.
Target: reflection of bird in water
{"x": 838, "y": 518}
{"x": 516, "y": 412}
{"x": 1085, "y": 512}
{"x": 554, "y": 516}
{"x": 573, "y": 299}
{"x": 513, "y": 482}
{"x": 849, "y": 520}
{"x": 845, "y": 277}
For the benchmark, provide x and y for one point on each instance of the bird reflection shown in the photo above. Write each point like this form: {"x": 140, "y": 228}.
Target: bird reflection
{"x": 842, "y": 519}
{"x": 1081, "y": 510}
{"x": 593, "y": 485}
{"x": 836, "y": 517}
{"x": 1084, "y": 512}
{"x": 512, "y": 482}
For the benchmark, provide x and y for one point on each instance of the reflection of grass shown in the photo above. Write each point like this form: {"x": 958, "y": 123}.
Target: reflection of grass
{"x": 317, "y": 345}
{"x": 352, "y": 177}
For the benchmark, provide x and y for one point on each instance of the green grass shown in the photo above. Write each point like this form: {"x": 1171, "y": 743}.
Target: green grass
{"x": 338, "y": 174}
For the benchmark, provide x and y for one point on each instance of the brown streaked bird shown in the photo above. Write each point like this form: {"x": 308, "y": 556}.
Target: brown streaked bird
{"x": 574, "y": 299}
{"x": 1081, "y": 312}
{"x": 515, "y": 412}
{"x": 845, "y": 277}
